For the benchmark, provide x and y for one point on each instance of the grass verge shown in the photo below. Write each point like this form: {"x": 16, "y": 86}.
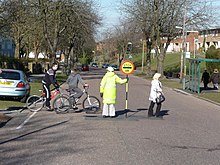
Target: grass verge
{"x": 175, "y": 83}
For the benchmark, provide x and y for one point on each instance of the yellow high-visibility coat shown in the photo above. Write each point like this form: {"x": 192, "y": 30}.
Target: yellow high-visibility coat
{"x": 108, "y": 87}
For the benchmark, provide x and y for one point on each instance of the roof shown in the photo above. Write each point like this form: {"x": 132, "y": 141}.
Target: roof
{"x": 12, "y": 70}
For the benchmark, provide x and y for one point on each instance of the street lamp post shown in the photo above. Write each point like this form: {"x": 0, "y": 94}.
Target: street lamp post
{"x": 195, "y": 42}
{"x": 94, "y": 58}
{"x": 143, "y": 53}
{"x": 184, "y": 48}
{"x": 183, "y": 54}
{"x": 129, "y": 48}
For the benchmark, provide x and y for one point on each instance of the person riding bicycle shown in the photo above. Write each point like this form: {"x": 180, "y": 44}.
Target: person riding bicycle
{"x": 49, "y": 78}
{"x": 73, "y": 81}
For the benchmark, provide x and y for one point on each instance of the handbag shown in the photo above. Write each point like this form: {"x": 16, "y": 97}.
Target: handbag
{"x": 160, "y": 98}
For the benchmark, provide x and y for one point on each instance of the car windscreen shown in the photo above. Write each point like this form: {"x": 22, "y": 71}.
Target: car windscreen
{"x": 10, "y": 75}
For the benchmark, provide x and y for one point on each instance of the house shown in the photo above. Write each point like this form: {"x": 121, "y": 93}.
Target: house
{"x": 7, "y": 47}
{"x": 195, "y": 40}
{"x": 209, "y": 37}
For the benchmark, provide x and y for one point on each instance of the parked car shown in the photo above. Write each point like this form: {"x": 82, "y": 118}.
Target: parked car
{"x": 14, "y": 83}
{"x": 85, "y": 67}
{"x": 105, "y": 65}
{"x": 94, "y": 64}
{"x": 115, "y": 67}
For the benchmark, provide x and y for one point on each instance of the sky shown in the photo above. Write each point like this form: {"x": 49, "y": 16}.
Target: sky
{"x": 109, "y": 10}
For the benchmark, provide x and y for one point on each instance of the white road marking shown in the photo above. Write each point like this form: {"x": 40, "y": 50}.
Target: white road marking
{"x": 20, "y": 126}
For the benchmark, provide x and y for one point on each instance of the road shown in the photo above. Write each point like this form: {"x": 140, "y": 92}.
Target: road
{"x": 188, "y": 134}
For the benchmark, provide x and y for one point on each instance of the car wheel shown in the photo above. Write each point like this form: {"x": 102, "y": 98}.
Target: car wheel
{"x": 23, "y": 99}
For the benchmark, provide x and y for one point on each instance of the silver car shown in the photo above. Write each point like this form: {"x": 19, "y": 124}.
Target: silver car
{"x": 14, "y": 83}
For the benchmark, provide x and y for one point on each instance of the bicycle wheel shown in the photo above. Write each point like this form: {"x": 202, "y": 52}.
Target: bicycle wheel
{"x": 61, "y": 104}
{"x": 91, "y": 103}
{"x": 35, "y": 103}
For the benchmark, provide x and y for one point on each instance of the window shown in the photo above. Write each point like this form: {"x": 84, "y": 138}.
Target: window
{"x": 10, "y": 75}
{"x": 3, "y": 45}
{"x": 9, "y": 45}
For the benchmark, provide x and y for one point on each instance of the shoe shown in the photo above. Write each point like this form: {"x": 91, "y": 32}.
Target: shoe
{"x": 112, "y": 116}
{"x": 104, "y": 116}
{"x": 75, "y": 107}
{"x": 150, "y": 116}
{"x": 159, "y": 117}
{"x": 49, "y": 109}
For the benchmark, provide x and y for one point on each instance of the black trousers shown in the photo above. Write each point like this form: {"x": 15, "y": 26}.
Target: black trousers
{"x": 151, "y": 109}
{"x": 46, "y": 89}
{"x": 206, "y": 84}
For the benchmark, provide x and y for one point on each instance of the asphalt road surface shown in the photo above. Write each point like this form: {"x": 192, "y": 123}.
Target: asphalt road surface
{"x": 189, "y": 134}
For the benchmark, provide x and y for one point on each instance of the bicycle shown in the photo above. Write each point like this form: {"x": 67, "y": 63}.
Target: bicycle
{"x": 89, "y": 103}
{"x": 35, "y": 103}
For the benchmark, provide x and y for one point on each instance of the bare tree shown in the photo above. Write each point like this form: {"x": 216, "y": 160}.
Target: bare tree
{"x": 82, "y": 21}
{"x": 14, "y": 25}
{"x": 124, "y": 33}
{"x": 67, "y": 19}
{"x": 158, "y": 20}
{"x": 49, "y": 25}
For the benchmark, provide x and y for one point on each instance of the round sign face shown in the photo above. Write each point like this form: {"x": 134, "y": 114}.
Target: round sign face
{"x": 127, "y": 67}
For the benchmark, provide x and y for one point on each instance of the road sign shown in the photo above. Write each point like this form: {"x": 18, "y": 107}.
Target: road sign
{"x": 187, "y": 54}
{"x": 127, "y": 67}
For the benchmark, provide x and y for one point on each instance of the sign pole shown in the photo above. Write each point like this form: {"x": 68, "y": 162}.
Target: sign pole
{"x": 126, "y": 98}
{"x": 127, "y": 67}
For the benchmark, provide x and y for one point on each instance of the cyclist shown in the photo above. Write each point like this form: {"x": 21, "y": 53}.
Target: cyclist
{"x": 49, "y": 79}
{"x": 73, "y": 81}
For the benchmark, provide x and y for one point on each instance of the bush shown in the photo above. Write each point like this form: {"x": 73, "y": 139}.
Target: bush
{"x": 138, "y": 63}
{"x": 172, "y": 71}
{"x": 38, "y": 68}
{"x": 11, "y": 63}
{"x": 212, "y": 53}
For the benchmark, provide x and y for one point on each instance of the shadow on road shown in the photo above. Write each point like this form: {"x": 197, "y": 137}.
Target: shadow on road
{"x": 4, "y": 119}
{"x": 131, "y": 112}
{"x": 32, "y": 132}
{"x": 5, "y": 116}
{"x": 164, "y": 112}
{"x": 14, "y": 108}
{"x": 208, "y": 90}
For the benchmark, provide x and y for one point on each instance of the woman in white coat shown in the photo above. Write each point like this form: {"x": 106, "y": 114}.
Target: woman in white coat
{"x": 156, "y": 88}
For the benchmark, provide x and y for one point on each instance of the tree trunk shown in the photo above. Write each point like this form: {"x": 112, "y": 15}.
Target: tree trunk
{"x": 17, "y": 50}
{"x": 36, "y": 52}
{"x": 161, "y": 56}
{"x": 160, "y": 63}
{"x": 148, "y": 57}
